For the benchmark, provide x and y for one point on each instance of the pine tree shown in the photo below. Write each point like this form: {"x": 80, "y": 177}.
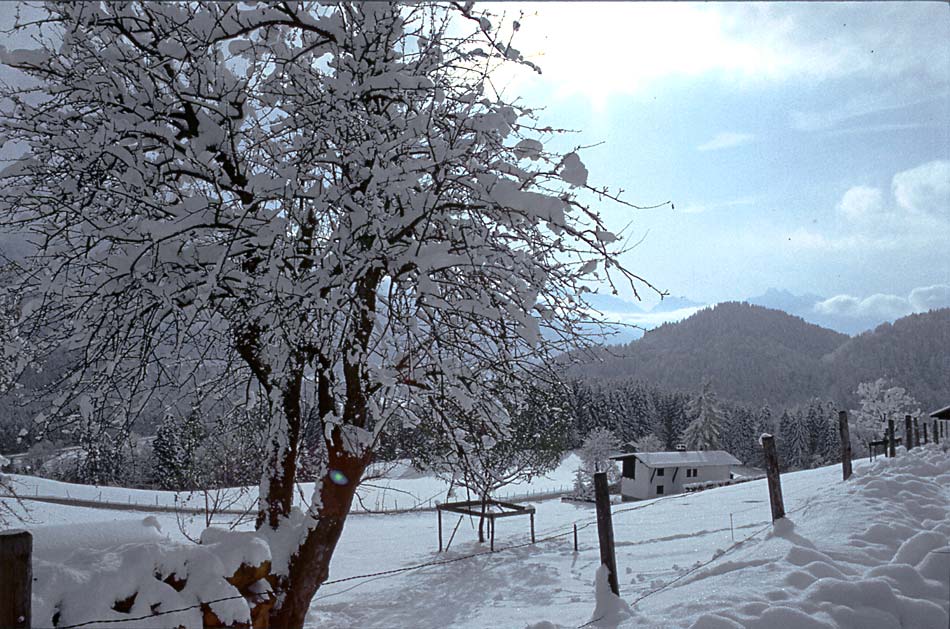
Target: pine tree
{"x": 703, "y": 432}
{"x": 175, "y": 448}
{"x": 793, "y": 442}
{"x": 827, "y": 437}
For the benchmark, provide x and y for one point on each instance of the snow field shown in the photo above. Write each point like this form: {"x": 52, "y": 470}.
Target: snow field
{"x": 869, "y": 553}
{"x": 401, "y": 488}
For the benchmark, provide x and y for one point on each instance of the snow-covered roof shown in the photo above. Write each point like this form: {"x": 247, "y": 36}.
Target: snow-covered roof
{"x": 943, "y": 413}
{"x": 695, "y": 458}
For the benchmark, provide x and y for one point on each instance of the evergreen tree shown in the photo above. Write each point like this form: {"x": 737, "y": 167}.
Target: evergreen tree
{"x": 703, "y": 432}
{"x": 177, "y": 465}
{"x": 793, "y": 444}
{"x": 827, "y": 437}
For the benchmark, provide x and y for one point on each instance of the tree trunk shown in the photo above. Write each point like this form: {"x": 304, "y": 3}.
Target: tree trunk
{"x": 310, "y": 566}
{"x": 283, "y": 467}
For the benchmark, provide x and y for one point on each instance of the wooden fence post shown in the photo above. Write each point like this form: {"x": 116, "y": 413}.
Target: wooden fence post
{"x": 16, "y": 579}
{"x": 575, "y": 537}
{"x": 891, "y": 442}
{"x": 439, "y": 512}
{"x": 775, "y": 481}
{"x": 936, "y": 436}
{"x": 845, "y": 436}
{"x": 908, "y": 434}
{"x": 605, "y": 530}
{"x": 925, "y": 433}
{"x": 916, "y": 432}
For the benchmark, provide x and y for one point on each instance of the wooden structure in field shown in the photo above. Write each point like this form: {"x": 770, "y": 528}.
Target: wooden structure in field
{"x": 493, "y": 509}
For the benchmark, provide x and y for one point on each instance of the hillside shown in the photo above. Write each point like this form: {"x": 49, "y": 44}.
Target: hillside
{"x": 755, "y": 355}
{"x": 914, "y": 352}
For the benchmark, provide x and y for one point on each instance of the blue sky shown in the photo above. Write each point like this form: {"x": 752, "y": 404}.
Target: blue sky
{"x": 806, "y": 146}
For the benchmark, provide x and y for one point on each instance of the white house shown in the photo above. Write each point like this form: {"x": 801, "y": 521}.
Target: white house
{"x": 652, "y": 474}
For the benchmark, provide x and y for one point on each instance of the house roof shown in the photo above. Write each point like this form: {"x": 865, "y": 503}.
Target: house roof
{"x": 943, "y": 413}
{"x": 695, "y": 458}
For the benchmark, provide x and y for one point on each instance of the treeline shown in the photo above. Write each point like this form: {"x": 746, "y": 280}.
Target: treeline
{"x": 634, "y": 411}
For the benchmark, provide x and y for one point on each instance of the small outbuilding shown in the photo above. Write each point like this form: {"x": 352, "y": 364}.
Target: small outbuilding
{"x": 942, "y": 423}
{"x": 652, "y": 474}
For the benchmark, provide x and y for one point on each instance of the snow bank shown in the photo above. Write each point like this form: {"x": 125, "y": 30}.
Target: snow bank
{"x": 50, "y": 541}
{"x": 894, "y": 573}
{"x": 114, "y": 572}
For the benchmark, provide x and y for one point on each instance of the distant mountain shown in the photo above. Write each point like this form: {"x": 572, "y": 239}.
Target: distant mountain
{"x": 804, "y": 306}
{"x": 755, "y": 355}
{"x": 611, "y": 303}
{"x": 669, "y": 304}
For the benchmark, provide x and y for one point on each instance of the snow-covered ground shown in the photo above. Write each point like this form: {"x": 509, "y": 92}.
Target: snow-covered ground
{"x": 394, "y": 486}
{"x": 869, "y": 553}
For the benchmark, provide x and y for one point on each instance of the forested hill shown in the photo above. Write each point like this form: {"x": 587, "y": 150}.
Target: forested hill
{"x": 756, "y": 355}
{"x": 914, "y": 352}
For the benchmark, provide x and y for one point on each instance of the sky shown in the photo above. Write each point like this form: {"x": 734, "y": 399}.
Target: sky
{"x": 805, "y": 146}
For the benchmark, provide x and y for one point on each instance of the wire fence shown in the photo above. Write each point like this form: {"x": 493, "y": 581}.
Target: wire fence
{"x": 542, "y": 537}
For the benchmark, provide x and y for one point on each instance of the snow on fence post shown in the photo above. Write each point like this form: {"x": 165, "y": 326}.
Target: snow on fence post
{"x": 605, "y": 530}
{"x": 774, "y": 478}
{"x": 16, "y": 579}
{"x": 891, "y": 442}
{"x": 845, "y": 444}
{"x": 916, "y": 433}
{"x": 908, "y": 434}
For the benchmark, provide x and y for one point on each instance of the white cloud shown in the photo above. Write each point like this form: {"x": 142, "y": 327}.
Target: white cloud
{"x": 924, "y": 189}
{"x": 600, "y": 49}
{"x": 804, "y": 239}
{"x": 927, "y": 298}
{"x": 886, "y": 306}
{"x": 649, "y": 320}
{"x": 861, "y": 202}
{"x": 697, "y": 208}
{"x": 726, "y": 140}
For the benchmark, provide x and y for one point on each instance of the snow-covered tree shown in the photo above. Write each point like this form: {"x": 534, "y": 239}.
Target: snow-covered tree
{"x": 703, "y": 432}
{"x": 176, "y": 461}
{"x": 880, "y": 402}
{"x": 595, "y": 454}
{"x": 538, "y": 434}
{"x": 793, "y": 441}
{"x": 649, "y": 443}
{"x": 298, "y": 205}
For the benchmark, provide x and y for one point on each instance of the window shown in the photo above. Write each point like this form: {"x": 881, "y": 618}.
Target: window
{"x": 659, "y": 471}
{"x": 659, "y": 490}
{"x": 692, "y": 472}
